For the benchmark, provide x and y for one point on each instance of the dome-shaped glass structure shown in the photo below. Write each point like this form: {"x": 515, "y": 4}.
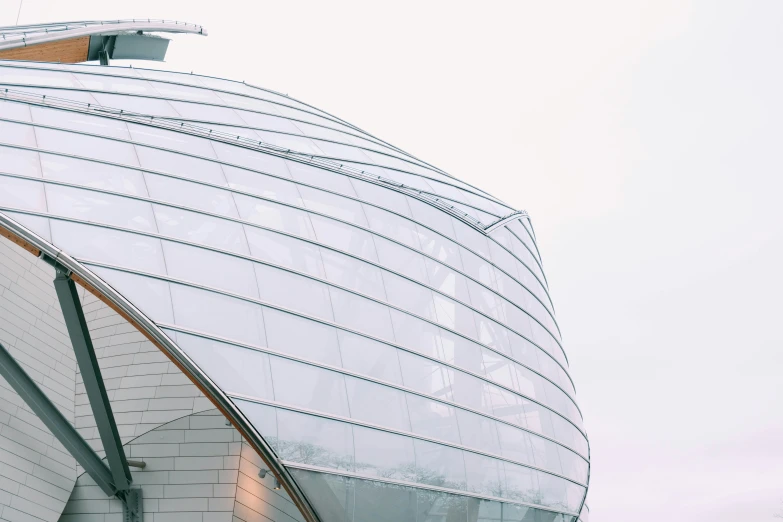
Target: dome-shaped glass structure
{"x": 380, "y": 331}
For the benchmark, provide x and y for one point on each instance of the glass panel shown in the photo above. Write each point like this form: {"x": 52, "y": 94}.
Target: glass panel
{"x": 432, "y": 217}
{"x": 108, "y": 246}
{"x": 268, "y": 122}
{"x": 452, "y": 314}
{"x": 505, "y": 405}
{"x": 545, "y": 454}
{"x": 393, "y": 226}
{"x": 573, "y": 466}
{"x": 180, "y": 165}
{"x": 433, "y": 419}
{"x": 344, "y": 237}
{"x": 234, "y": 369}
{"x": 98, "y": 207}
{"x": 166, "y": 139}
{"x": 471, "y": 238}
{"x": 478, "y": 268}
{"x": 23, "y": 194}
{"x": 379, "y": 502}
{"x": 332, "y": 496}
{"x": 530, "y": 384}
{"x": 521, "y": 483}
{"x": 262, "y": 185}
{"x": 199, "y": 228}
{"x": 309, "y": 387}
{"x": 368, "y": 357}
{"x": 416, "y": 334}
{"x": 87, "y": 146}
{"x": 155, "y": 107}
{"x": 382, "y": 454}
{"x": 539, "y": 419}
{"x": 400, "y": 259}
{"x": 439, "y": 465}
{"x": 323, "y": 178}
{"x": 485, "y": 301}
{"x": 484, "y": 475}
{"x": 151, "y": 296}
{"x": 301, "y": 337}
{"x": 525, "y": 352}
{"x": 448, "y": 281}
{"x": 93, "y": 174}
{"x": 439, "y": 247}
{"x": 377, "y": 404}
{"x": 515, "y": 444}
{"x": 285, "y": 251}
{"x": 18, "y": 161}
{"x": 381, "y": 196}
{"x": 206, "y": 113}
{"x": 361, "y": 314}
{"x": 292, "y": 291}
{"x": 208, "y": 268}
{"x": 553, "y": 492}
{"x": 478, "y": 432}
{"x": 314, "y": 440}
{"x": 409, "y": 296}
{"x": 499, "y": 369}
{"x": 193, "y": 195}
{"x": 461, "y": 352}
{"x": 353, "y": 273}
{"x": 37, "y": 224}
{"x": 333, "y": 205}
{"x": 471, "y": 392}
{"x": 263, "y": 418}
{"x": 217, "y": 314}
{"x": 426, "y": 376}
{"x": 274, "y": 215}
{"x": 14, "y": 111}
{"x": 440, "y": 507}
{"x": 16, "y": 133}
{"x": 492, "y": 334}
{"x": 502, "y": 258}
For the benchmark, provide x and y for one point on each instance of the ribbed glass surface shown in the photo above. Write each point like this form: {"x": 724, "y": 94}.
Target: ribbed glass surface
{"x": 405, "y": 363}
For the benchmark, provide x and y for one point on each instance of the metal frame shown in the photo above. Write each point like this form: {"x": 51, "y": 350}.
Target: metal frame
{"x": 91, "y": 375}
{"x": 63, "y": 430}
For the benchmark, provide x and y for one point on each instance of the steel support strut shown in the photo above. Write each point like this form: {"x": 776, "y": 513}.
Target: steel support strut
{"x": 56, "y": 422}
{"x": 93, "y": 382}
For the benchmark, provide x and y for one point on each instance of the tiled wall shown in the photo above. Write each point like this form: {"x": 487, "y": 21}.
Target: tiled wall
{"x": 198, "y": 469}
{"x": 36, "y": 472}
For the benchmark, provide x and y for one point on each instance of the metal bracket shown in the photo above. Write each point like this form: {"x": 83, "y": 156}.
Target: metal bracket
{"x": 132, "y": 506}
{"x": 93, "y": 382}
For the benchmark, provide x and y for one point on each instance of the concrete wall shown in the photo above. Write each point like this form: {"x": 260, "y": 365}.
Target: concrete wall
{"x": 36, "y": 472}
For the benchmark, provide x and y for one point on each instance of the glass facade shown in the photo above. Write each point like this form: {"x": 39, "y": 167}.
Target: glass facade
{"x": 385, "y": 327}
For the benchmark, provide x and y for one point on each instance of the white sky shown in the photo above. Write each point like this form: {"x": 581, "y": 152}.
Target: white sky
{"x": 646, "y": 140}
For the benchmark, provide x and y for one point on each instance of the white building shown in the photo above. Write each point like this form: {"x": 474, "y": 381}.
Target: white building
{"x": 292, "y": 319}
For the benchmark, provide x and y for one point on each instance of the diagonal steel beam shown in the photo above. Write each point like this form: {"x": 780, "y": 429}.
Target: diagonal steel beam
{"x": 56, "y": 422}
{"x": 93, "y": 382}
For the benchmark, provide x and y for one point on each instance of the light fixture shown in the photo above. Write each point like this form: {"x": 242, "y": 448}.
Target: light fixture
{"x": 277, "y": 484}
{"x": 262, "y": 473}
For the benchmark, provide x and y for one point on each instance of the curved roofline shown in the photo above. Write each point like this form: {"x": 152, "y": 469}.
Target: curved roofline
{"x": 39, "y": 247}
{"x": 44, "y": 33}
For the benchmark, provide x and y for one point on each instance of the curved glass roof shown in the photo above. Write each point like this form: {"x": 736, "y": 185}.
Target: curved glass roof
{"x": 384, "y": 329}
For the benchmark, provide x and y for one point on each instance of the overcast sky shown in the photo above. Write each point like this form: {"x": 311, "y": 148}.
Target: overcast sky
{"x": 646, "y": 141}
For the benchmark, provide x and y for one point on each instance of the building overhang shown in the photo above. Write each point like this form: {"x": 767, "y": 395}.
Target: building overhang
{"x": 75, "y": 42}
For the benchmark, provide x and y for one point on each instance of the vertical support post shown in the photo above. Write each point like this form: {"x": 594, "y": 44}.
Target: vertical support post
{"x": 63, "y": 430}
{"x": 93, "y": 382}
